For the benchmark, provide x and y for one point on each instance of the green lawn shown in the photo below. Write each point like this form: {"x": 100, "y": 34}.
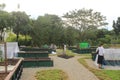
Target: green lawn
{"x": 52, "y": 74}
{"x": 113, "y": 74}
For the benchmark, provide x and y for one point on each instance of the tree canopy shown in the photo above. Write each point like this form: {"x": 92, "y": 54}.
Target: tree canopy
{"x": 74, "y": 27}
{"x": 21, "y": 22}
{"x": 5, "y": 22}
{"x": 47, "y": 29}
{"x": 116, "y": 26}
{"x": 84, "y": 20}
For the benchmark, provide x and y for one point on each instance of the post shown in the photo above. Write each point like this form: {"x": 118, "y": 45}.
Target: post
{"x": 64, "y": 50}
{"x": 5, "y": 49}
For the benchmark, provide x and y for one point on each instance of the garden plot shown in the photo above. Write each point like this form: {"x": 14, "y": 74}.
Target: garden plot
{"x": 9, "y": 68}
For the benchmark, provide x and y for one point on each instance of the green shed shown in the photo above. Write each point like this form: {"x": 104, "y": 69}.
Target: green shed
{"x": 83, "y": 45}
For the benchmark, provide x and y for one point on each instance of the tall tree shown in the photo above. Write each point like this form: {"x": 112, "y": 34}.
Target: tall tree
{"x": 21, "y": 20}
{"x": 47, "y": 29}
{"x": 116, "y": 26}
{"x": 84, "y": 20}
{"x": 70, "y": 35}
{"x": 5, "y": 22}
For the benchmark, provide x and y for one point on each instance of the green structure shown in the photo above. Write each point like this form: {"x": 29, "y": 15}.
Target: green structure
{"x": 35, "y": 57}
{"x": 83, "y": 45}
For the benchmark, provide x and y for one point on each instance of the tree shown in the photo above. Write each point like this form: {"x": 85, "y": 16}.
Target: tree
{"x": 2, "y": 6}
{"x": 5, "y": 22}
{"x": 21, "y": 20}
{"x": 116, "y": 26}
{"x": 47, "y": 29}
{"x": 70, "y": 35}
{"x": 116, "y": 29}
{"x": 84, "y": 20}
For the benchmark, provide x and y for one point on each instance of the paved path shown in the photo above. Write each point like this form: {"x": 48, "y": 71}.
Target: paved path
{"x": 72, "y": 67}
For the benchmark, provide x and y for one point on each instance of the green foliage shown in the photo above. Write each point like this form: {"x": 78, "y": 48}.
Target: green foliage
{"x": 11, "y": 37}
{"x": 47, "y": 29}
{"x": 70, "y": 35}
{"x": 81, "y": 26}
{"x": 116, "y": 41}
{"x": 103, "y": 36}
{"x": 23, "y": 40}
{"x": 116, "y": 26}
{"x": 5, "y": 22}
{"x": 53, "y": 74}
{"x": 69, "y": 53}
{"x": 107, "y": 45}
{"x": 21, "y": 23}
{"x": 84, "y": 20}
{"x": 1, "y": 57}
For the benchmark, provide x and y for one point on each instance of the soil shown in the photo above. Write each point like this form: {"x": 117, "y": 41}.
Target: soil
{"x": 3, "y": 75}
{"x": 65, "y": 56}
{"x": 9, "y": 62}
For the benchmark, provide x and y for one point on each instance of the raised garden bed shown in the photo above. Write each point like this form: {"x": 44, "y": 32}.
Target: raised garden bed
{"x": 14, "y": 73}
{"x": 35, "y": 54}
{"x": 36, "y": 58}
{"x": 35, "y": 49}
{"x": 93, "y": 54}
{"x": 112, "y": 62}
{"x": 83, "y": 51}
{"x": 38, "y": 62}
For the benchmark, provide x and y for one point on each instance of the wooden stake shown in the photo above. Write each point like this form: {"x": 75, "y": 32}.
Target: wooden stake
{"x": 5, "y": 49}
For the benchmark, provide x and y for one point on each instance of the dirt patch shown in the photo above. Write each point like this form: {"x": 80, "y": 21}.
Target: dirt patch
{"x": 65, "y": 56}
{"x": 3, "y": 75}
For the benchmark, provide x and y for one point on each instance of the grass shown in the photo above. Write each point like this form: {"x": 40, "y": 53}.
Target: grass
{"x": 67, "y": 54}
{"x": 113, "y": 74}
{"x": 101, "y": 74}
{"x": 1, "y": 59}
{"x": 52, "y": 74}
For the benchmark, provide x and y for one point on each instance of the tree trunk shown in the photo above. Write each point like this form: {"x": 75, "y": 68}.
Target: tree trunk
{"x": 25, "y": 39}
{"x": 17, "y": 37}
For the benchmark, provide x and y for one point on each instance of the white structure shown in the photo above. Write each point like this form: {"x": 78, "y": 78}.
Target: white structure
{"x": 112, "y": 54}
{"x": 12, "y": 49}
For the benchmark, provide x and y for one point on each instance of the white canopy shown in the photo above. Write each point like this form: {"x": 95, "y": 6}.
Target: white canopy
{"x": 12, "y": 49}
{"x": 112, "y": 54}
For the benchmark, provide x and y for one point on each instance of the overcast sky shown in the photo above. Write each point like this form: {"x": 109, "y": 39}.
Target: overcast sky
{"x": 108, "y": 8}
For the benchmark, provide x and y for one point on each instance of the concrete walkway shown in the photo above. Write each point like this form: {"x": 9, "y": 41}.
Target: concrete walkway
{"x": 72, "y": 67}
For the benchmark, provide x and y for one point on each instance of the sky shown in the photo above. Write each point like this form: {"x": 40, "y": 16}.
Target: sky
{"x": 35, "y": 8}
